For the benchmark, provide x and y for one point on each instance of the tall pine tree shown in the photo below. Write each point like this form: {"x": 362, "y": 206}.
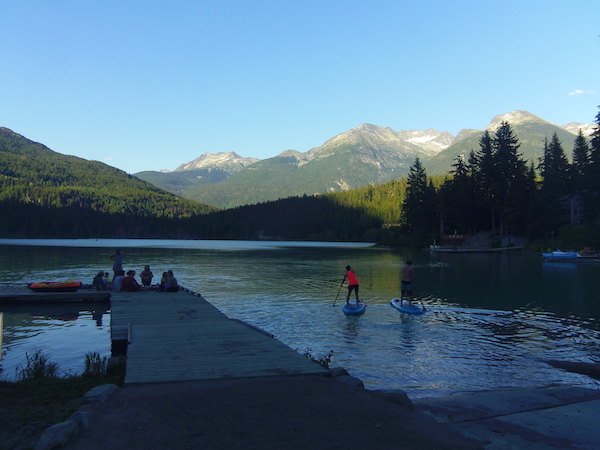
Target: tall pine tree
{"x": 592, "y": 205}
{"x": 594, "y": 167}
{"x": 419, "y": 209}
{"x": 581, "y": 162}
{"x": 511, "y": 176}
{"x": 555, "y": 171}
{"x": 483, "y": 170}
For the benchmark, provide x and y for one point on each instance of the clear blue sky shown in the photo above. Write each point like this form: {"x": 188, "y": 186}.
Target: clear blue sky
{"x": 148, "y": 85}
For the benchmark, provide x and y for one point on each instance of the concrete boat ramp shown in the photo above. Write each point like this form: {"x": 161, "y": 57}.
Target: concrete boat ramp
{"x": 198, "y": 379}
{"x": 561, "y": 417}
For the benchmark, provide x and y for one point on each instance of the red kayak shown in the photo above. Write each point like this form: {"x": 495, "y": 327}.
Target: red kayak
{"x": 55, "y": 286}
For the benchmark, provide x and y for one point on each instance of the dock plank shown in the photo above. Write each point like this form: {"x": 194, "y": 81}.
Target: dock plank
{"x": 182, "y": 337}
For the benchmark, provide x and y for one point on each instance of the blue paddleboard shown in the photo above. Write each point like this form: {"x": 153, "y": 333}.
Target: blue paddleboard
{"x": 354, "y": 310}
{"x": 405, "y": 307}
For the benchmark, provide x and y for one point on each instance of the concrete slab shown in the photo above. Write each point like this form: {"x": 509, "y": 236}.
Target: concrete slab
{"x": 547, "y": 417}
{"x": 487, "y": 404}
{"x": 569, "y": 426}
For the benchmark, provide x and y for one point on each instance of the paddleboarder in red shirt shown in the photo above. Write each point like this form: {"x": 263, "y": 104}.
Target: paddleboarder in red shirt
{"x": 352, "y": 283}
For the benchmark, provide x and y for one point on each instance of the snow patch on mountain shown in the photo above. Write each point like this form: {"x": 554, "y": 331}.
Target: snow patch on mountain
{"x": 228, "y": 161}
{"x": 586, "y": 128}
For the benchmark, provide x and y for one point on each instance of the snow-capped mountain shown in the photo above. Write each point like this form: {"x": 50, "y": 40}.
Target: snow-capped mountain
{"x": 230, "y": 162}
{"x": 406, "y": 142}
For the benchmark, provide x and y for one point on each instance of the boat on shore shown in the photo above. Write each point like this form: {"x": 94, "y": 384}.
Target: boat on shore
{"x": 443, "y": 249}
{"x": 581, "y": 256}
{"x": 587, "y": 254}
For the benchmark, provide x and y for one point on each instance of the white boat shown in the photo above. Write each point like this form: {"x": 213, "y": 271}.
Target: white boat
{"x": 559, "y": 255}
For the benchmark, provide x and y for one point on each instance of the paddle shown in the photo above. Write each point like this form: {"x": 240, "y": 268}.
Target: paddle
{"x": 338, "y": 294}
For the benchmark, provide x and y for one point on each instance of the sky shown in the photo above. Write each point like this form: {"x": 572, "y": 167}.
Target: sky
{"x": 149, "y": 85}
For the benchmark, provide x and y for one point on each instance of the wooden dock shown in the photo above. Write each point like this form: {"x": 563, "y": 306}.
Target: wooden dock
{"x": 25, "y": 296}
{"x": 180, "y": 336}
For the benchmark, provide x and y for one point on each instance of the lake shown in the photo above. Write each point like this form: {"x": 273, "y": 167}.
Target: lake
{"x": 493, "y": 318}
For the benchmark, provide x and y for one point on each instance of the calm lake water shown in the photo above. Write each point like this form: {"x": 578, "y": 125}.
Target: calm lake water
{"x": 493, "y": 318}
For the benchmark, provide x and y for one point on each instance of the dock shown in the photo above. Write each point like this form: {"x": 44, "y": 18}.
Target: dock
{"x": 179, "y": 336}
{"x": 30, "y": 297}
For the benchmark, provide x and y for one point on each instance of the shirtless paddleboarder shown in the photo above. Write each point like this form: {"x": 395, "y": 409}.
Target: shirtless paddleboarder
{"x": 406, "y": 283}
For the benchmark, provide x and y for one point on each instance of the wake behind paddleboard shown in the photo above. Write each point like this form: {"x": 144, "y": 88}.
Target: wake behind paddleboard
{"x": 406, "y": 307}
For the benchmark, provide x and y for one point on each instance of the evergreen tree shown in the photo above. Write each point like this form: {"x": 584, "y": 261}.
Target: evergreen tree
{"x": 592, "y": 205}
{"x": 594, "y": 166}
{"x": 581, "y": 162}
{"x": 419, "y": 209}
{"x": 510, "y": 178}
{"x": 458, "y": 199}
{"x": 484, "y": 175}
{"x": 554, "y": 170}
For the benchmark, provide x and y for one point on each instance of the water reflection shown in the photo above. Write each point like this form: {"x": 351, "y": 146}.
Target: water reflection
{"x": 351, "y": 329}
{"x": 64, "y": 332}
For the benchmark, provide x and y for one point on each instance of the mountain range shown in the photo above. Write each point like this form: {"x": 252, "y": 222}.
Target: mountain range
{"x": 367, "y": 154}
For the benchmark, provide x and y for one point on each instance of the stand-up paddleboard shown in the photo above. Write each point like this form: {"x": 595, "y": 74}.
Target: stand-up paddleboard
{"x": 354, "y": 309}
{"x": 406, "y": 307}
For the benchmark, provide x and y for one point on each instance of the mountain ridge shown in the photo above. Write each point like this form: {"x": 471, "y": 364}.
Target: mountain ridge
{"x": 363, "y": 155}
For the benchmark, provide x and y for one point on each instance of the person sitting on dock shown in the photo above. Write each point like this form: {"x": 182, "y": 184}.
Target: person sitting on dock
{"x": 146, "y": 276}
{"x": 130, "y": 284}
{"x": 99, "y": 282}
{"x": 118, "y": 281}
{"x": 173, "y": 285}
{"x": 164, "y": 282}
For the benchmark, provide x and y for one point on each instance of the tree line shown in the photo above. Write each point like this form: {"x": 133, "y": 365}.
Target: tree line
{"x": 494, "y": 188}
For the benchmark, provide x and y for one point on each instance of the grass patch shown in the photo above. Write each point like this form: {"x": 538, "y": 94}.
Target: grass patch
{"x": 40, "y": 399}
{"x": 37, "y": 366}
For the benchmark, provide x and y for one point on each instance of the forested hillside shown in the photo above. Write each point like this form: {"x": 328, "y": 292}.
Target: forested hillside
{"x": 44, "y": 193}
{"x": 320, "y": 218}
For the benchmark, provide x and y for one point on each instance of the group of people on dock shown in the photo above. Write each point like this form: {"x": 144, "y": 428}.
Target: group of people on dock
{"x": 126, "y": 282}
